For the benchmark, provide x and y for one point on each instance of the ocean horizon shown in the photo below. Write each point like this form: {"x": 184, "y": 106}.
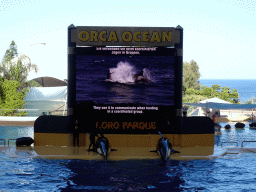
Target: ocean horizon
{"x": 246, "y": 88}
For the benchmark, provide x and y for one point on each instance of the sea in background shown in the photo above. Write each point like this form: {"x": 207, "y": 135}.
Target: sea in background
{"x": 246, "y": 88}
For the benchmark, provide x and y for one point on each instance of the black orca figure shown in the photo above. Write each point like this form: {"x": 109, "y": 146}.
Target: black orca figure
{"x": 227, "y": 126}
{"x": 239, "y": 125}
{"x": 103, "y": 146}
{"x": 252, "y": 124}
{"x": 164, "y": 148}
{"x": 27, "y": 141}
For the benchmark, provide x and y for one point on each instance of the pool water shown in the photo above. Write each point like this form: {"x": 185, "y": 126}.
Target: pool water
{"x": 232, "y": 172}
{"x": 222, "y": 174}
{"x": 14, "y": 132}
{"x": 236, "y": 135}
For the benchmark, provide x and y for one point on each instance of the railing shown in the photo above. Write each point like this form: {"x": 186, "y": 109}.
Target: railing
{"x": 38, "y": 112}
{"x": 236, "y": 112}
{"x": 10, "y": 140}
{"x": 193, "y": 111}
{"x": 228, "y": 142}
{"x": 3, "y": 140}
{"x": 247, "y": 141}
{"x": 237, "y": 143}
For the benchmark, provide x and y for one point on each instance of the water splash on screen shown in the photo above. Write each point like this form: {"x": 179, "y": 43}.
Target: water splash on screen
{"x": 125, "y": 73}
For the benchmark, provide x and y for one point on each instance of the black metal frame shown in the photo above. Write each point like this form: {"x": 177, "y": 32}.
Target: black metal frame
{"x": 177, "y": 43}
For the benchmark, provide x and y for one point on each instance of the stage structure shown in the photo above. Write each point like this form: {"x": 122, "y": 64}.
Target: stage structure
{"x": 126, "y": 82}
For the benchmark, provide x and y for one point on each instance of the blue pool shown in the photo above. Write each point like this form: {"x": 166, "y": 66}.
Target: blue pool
{"x": 14, "y": 132}
{"x": 236, "y": 135}
{"x": 227, "y": 173}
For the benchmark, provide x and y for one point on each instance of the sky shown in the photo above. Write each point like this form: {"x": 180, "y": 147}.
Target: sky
{"x": 220, "y": 35}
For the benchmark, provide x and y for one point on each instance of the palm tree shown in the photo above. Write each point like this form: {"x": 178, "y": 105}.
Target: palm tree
{"x": 16, "y": 67}
{"x": 20, "y": 68}
{"x": 252, "y": 100}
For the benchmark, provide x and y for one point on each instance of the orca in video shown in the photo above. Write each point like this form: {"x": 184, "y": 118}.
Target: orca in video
{"x": 139, "y": 77}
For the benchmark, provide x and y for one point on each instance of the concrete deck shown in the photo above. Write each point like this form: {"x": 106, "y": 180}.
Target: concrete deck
{"x": 17, "y": 121}
{"x": 64, "y": 152}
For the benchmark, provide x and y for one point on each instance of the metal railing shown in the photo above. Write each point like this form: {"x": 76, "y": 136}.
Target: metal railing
{"x": 38, "y": 112}
{"x": 248, "y": 142}
{"x": 3, "y": 140}
{"x": 228, "y": 142}
{"x": 10, "y": 140}
{"x": 242, "y": 145}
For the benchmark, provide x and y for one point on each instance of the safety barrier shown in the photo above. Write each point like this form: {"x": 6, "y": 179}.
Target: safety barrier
{"x": 229, "y": 142}
{"x": 247, "y": 141}
{"x": 237, "y": 143}
{"x": 3, "y": 140}
{"x": 10, "y": 140}
{"x": 38, "y": 112}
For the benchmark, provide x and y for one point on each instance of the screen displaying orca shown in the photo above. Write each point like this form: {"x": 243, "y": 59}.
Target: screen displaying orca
{"x": 125, "y": 73}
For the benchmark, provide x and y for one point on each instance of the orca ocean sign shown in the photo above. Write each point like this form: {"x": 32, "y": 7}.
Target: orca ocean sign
{"x": 124, "y": 79}
{"x": 127, "y": 36}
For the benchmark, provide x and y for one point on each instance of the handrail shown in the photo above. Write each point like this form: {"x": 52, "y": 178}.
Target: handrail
{"x": 3, "y": 140}
{"x": 247, "y": 141}
{"x": 229, "y": 142}
{"x": 40, "y": 110}
{"x": 10, "y": 140}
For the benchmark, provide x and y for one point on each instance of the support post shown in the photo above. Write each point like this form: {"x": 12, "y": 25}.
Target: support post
{"x": 178, "y": 80}
{"x": 71, "y": 76}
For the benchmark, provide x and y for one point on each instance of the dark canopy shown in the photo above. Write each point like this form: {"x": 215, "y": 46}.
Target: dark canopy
{"x": 50, "y": 82}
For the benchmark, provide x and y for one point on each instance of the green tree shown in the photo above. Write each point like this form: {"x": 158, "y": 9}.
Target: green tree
{"x": 228, "y": 95}
{"x": 225, "y": 89}
{"x": 190, "y": 91}
{"x": 224, "y": 95}
{"x": 12, "y": 98}
{"x": 209, "y": 92}
{"x": 252, "y": 100}
{"x": 19, "y": 69}
{"x": 216, "y": 87}
{"x": 194, "y": 92}
{"x": 14, "y": 67}
{"x": 10, "y": 53}
{"x": 33, "y": 83}
{"x": 14, "y": 71}
{"x": 193, "y": 98}
{"x": 234, "y": 96}
{"x": 191, "y": 75}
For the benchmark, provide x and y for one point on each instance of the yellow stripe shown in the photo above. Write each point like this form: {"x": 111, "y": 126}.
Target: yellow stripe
{"x": 127, "y": 140}
{"x": 194, "y": 140}
{"x": 55, "y": 139}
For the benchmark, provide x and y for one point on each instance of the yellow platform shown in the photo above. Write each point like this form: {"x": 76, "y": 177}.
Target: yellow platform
{"x": 127, "y": 146}
{"x": 126, "y": 140}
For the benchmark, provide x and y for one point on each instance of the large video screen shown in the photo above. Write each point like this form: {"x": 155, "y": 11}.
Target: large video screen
{"x": 121, "y": 81}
